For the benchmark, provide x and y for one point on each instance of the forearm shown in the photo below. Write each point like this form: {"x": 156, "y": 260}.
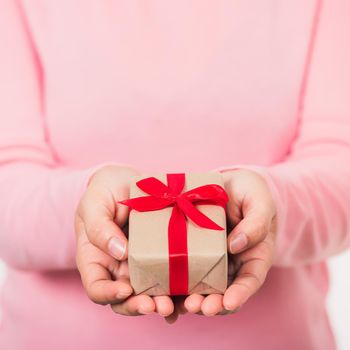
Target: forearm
{"x": 37, "y": 209}
{"x": 312, "y": 198}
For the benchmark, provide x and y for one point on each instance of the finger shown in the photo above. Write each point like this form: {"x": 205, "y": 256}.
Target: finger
{"x": 249, "y": 279}
{"x": 99, "y": 286}
{"x": 212, "y": 304}
{"x": 96, "y": 270}
{"x": 123, "y": 271}
{"x": 193, "y": 303}
{"x": 106, "y": 291}
{"x": 98, "y": 213}
{"x": 252, "y": 229}
{"x": 164, "y": 305}
{"x": 135, "y": 306}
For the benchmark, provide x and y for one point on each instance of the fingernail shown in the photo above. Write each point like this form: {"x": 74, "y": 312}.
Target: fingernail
{"x": 238, "y": 243}
{"x": 122, "y": 294}
{"x": 233, "y": 309}
{"x": 116, "y": 247}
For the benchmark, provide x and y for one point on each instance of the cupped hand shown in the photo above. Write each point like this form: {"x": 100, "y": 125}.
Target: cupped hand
{"x": 102, "y": 246}
{"x": 251, "y": 214}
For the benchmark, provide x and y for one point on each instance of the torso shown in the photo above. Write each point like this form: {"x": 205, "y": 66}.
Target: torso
{"x": 166, "y": 87}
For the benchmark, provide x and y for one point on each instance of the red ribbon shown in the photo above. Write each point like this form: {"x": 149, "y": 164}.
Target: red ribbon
{"x": 162, "y": 196}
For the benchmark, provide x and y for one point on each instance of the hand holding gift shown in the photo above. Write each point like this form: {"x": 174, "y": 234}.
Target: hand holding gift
{"x": 102, "y": 246}
{"x": 252, "y": 235}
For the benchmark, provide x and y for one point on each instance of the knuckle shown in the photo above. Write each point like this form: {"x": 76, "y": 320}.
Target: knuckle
{"x": 261, "y": 228}
{"x": 93, "y": 294}
{"x": 252, "y": 282}
{"x": 229, "y": 185}
{"x": 93, "y": 297}
{"x": 266, "y": 248}
{"x": 94, "y": 231}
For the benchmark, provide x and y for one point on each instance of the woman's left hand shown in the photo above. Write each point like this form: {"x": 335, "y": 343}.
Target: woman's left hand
{"x": 252, "y": 215}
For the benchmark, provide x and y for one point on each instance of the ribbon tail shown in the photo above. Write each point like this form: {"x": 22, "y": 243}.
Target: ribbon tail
{"x": 146, "y": 203}
{"x": 197, "y": 216}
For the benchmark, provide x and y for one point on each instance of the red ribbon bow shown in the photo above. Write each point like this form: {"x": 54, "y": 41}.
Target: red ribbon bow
{"x": 162, "y": 196}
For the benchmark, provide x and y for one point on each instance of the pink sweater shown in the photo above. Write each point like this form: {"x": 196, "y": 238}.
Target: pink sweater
{"x": 171, "y": 86}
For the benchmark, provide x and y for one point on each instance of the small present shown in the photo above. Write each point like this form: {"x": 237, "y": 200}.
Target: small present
{"x": 177, "y": 234}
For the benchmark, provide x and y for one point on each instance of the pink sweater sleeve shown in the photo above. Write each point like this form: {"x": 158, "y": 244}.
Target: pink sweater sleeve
{"x": 312, "y": 185}
{"x": 38, "y": 195}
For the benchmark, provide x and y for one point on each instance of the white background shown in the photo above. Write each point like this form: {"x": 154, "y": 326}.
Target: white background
{"x": 338, "y": 301}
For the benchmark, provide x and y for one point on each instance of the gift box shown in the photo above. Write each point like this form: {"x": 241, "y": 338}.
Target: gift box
{"x": 177, "y": 234}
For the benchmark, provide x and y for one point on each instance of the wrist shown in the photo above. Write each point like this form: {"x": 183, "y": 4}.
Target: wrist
{"x": 108, "y": 167}
{"x": 267, "y": 175}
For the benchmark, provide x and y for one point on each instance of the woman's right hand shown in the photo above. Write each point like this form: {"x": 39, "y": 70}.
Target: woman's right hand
{"x": 102, "y": 246}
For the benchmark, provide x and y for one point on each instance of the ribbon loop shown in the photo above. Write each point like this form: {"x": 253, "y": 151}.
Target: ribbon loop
{"x": 147, "y": 203}
{"x": 176, "y": 183}
{"x": 211, "y": 192}
{"x": 153, "y": 186}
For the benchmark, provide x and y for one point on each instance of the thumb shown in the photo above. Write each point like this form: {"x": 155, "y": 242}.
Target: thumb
{"x": 252, "y": 229}
{"x": 103, "y": 221}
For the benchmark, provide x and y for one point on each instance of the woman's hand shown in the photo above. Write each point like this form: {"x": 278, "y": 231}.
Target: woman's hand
{"x": 252, "y": 215}
{"x": 102, "y": 246}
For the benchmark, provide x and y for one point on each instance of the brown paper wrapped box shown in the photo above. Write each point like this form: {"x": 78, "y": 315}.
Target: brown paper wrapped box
{"x": 148, "y": 244}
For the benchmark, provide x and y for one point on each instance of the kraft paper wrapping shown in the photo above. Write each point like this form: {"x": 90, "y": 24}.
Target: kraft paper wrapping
{"x": 148, "y": 244}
